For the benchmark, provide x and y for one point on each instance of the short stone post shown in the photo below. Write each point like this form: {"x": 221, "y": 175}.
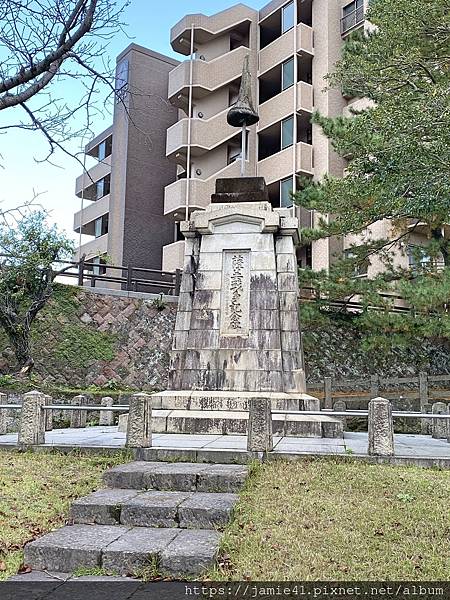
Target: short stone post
{"x": 48, "y": 414}
{"x": 374, "y": 386}
{"x": 260, "y": 437}
{"x": 3, "y": 414}
{"x": 78, "y": 417}
{"x": 32, "y": 420}
{"x": 448, "y": 425}
{"x": 341, "y": 406}
{"x": 381, "y": 428}
{"x": 106, "y": 416}
{"x": 439, "y": 426}
{"x": 328, "y": 401}
{"x": 139, "y": 429}
{"x": 425, "y": 425}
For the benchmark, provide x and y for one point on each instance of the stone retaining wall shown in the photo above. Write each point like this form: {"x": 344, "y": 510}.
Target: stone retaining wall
{"x": 86, "y": 339}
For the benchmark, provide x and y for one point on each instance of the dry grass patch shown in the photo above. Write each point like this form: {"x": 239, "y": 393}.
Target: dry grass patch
{"x": 336, "y": 520}
{"x": 36, "y": 491}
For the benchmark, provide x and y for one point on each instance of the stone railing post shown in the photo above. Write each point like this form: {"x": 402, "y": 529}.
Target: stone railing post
{"x": 381, "y": 428}
{"x": 32, "y": 420}
{"x": 106, "y": 416}
{"x": 328, "y": 399}
{"x": 374, "y": 386}
{"x": 448, "y": 424}
{"x": 341, "y": 406}
{"x": 78, "y": 417}
{"x": 3, "y": 414}
{"x": 260, "y": 438}
{"x": 439, "y": 426}
{"x": 139, "y": 429}
{"x": 48, "y": 414}
{"x": 425, "y": 425}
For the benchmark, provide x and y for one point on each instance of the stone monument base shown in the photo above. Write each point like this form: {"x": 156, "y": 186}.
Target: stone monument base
{"x": 226, "y": 413}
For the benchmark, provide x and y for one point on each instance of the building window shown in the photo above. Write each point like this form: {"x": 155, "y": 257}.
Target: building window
{"x": 104, "y": 149}
{"x": 122, "y": 80}
{"x": 99, "y": 265}
{"x": 287, "y": 132}
{"x": 287, "y": 74}
{"x": 418, "y": 258}
{"x": 101, "y": 226}
{"x": 287, "y": 20}
{"x": 103, "y": 187}
{"x": 361, "y": 267}
{"x": 285, "y": 193}
{"x": 352, "y": 15}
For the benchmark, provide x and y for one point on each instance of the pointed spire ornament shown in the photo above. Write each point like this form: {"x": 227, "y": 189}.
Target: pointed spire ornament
{"x": 242, "y": 113}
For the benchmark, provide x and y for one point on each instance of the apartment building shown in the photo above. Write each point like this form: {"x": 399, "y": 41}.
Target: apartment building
{"x": 292, "y": 45}
{"x": 121, "y": 196}
{"x": 159, "y": 162}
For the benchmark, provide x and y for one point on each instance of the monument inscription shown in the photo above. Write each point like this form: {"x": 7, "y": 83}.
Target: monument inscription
{"x": 235, "y": 306}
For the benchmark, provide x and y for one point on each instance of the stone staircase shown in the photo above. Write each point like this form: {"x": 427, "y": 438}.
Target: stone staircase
{"x": 153, "y": 518}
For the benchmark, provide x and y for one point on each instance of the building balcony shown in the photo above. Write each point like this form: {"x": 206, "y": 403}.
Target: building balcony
{"x": 87, "y": 181}
{"x": 96, "y": 247}
{"x": 279, "y": 165}
{"x": 105, "y": 137}
{"x": 206, "y": 134}
{"x": 200, "y": 192}
{"x": 173, "y": 256}
{"x": 283, "y": 47}
{"x": 421, "y": 228}
{"x": 206, "y": 76}
{"x": 89, "y": 214}
{"x": 281, "y": 106}
{"x": 208, "y": 27}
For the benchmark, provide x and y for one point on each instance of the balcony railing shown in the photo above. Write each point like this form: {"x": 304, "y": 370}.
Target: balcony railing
{"x": 352, "y": 20}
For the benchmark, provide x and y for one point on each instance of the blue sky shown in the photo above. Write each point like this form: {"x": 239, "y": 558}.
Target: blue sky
{"x": 149, "y": 23}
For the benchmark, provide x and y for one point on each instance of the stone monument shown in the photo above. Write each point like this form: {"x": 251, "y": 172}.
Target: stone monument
{"x": 237, "y": 334}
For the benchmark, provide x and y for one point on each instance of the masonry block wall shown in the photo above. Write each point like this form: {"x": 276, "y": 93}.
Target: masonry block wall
{"x": 85, "y": 339}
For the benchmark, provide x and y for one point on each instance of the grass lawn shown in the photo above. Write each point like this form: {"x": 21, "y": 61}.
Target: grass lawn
{"x": 331, "y": 520}
{"x": 36, "y": 491}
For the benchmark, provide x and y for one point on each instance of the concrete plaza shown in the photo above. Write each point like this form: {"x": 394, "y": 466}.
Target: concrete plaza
{"x": 406, "y": 445}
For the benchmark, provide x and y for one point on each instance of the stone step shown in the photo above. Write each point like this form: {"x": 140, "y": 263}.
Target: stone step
{"x": 121, "y": 550}
{"x": 179, "y": 477}
{"x": 136, "y": 508}
{"x": 220, "y": 422}
{"x": 229, "y": 401}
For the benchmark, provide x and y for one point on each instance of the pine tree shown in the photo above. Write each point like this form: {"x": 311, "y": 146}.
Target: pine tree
{"x": 398, "y": 170}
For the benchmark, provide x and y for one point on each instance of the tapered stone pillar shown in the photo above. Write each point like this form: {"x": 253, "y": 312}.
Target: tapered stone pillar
{"x": 139, "y": 428}
{"x": 260, "y": 438}
{"x": 381, "y": 428}
{"x": 439, "y": 426}
{"x": 32, "y": 420}
{"x": 106, "y": 416}
{"x": 237, "y": 326}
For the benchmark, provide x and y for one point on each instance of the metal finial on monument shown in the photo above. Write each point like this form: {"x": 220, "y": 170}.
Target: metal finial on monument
{"x": 242, "y": 113}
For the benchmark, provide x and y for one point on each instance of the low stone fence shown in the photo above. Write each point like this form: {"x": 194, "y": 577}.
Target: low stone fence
{"x": 36, "y": 410}
{"x": 61, "y": 418}
{"x": 414, "y": 394}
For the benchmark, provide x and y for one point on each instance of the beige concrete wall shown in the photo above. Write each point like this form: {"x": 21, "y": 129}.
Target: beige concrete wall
{"x": 92, "y": 175}
{"x": 283, "y": 47}
{"x": 91, "y": 212}
{"x": 279, "y": 166}
{"x": 173, "y": 256}
{"x": 208, "y": 27}
{"x": 327, "y": 44}
{"x": 95, "y": 247}
{"x": 281, "y": 106}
